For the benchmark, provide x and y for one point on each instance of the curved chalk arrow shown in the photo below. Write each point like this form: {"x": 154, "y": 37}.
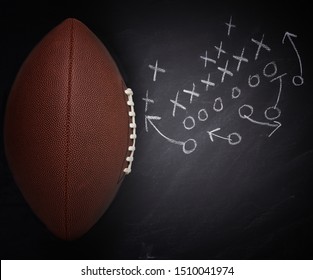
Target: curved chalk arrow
{"x": 290, "y": 36}
{"x": 276, "y": 124}
{"x": 229, "y": 138}
{"x": 242, "y": 115}
{"x": 193, "y": 142}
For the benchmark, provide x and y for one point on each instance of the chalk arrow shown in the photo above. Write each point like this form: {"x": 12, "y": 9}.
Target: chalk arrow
{"x": 192, "y": 144}
{"x": 211, "y": 134}
{"x": 290, "y": 36}
{"x": 277, "y": 125}
{"x": 233, "y": 138}
{"x": 150, "y": 119}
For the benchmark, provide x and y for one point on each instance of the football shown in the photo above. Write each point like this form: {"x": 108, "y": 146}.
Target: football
{"x": 69, "y": 129}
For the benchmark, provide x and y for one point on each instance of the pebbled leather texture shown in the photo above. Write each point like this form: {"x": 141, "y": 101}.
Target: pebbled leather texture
{"x": 67, "y": 129}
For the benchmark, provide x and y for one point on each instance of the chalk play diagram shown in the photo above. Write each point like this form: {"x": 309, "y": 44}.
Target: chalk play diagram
{"x": 221, "y": 65}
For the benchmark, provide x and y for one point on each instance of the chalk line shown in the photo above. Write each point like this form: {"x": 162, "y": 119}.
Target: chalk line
{"x": 150, "y": 119}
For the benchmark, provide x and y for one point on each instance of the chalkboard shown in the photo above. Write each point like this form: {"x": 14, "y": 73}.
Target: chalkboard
{"x": 223, "y": 163}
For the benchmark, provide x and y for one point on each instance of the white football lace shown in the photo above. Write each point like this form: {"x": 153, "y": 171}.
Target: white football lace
{"x": 132, "y": 125}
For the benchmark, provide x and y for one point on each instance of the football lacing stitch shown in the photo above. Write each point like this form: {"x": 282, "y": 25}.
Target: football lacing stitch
{"x": 133, "y": 126}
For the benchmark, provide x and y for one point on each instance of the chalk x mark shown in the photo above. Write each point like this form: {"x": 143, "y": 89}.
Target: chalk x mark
{"x": 247, "y": 116}
{"x": 156, "y": 69}
{"x": 225, "y": 71}
{"x": 220, "y": 50}
{"x": 192, "y": 142}
{"x": 192, "y": 92}
{"x": 207, "y": 59}
{"x": 280, "y": 87}
{"x": 233, "y": 138}
{"x": 260, "y": 45}
{"x": 290, "y": 36}
{"x": 208, "y": 83}
{"x": 147, "y": 100}
{"x": 240, "y": 59}
{"x": 176, "y": 104}
{"x": 229, "y": 25}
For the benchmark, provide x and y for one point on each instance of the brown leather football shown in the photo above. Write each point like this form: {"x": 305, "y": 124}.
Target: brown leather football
{"x": 69, "y": 129}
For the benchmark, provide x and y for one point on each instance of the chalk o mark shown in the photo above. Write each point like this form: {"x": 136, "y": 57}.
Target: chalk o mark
{"x": 297, "y": 81}
{"x": 218, "y": 102}
{"x": 274, "y": 70}
{"x": 203, "y": 115}
{"x": 235, "y": 92}
{"x": 245, "y": 107}
{"x": 190, "y": 149}
{"x": 191, "y": 125}
{"x": 254, "y": 77}
{"x": 272, "y": 113}
{"x": 234, "y": 138}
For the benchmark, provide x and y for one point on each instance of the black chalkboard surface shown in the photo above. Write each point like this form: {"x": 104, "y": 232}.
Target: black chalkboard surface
{"x": 223, "y": 99}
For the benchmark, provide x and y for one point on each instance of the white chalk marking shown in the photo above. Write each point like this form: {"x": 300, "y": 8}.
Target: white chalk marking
{"x": 207, "y": 59}
{"x": 150, "y": 118}
{"x": 211, "y": 134}
{"x": 235, "y": 92}
{"x": 252, "y": 77}
{"x": 273, "y": 117}
{"x": 240, "y": 59}
{"x": 229, "y": 138}
{"x": 233, "y": 141}
{"x": 219, "y": 101}
{"x": 203, "y": 112}
{"x": 260, "y": 45}
{"x": 245, "y": 116}
{"x": 208, "y": 83}
{"x": 271, "y": 74}
{"x": 181, "y": 143}
{"x": 276, "y": 124}
{"x": 229, "y": 25}
{"x": 219, "y": 49}
{"x": 280, "y": 86}
{"x": 147, "y": 100}
{"x": 156, "y": 69}
{"x": 299, "y": 82}
{"x": 225, "y": 71}
{"x": 289, "y": 36}
{"x": 190, "y": 126}
{"x": 176, "y": 104}
{"x": 192, "y": 92}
